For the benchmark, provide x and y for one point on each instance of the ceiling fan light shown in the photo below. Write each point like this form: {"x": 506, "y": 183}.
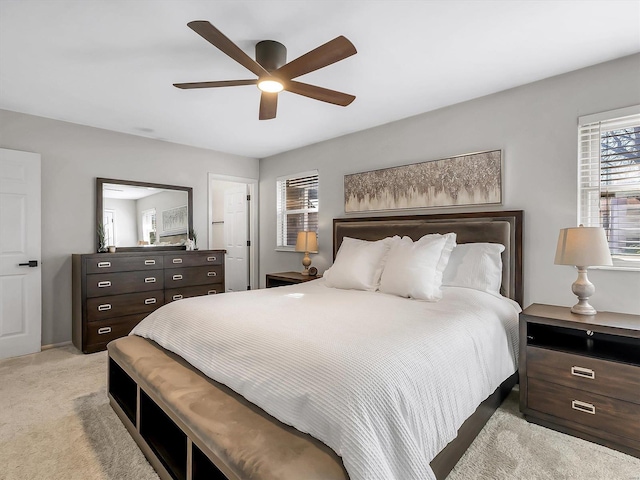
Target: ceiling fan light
{"x": 271, "y": 86}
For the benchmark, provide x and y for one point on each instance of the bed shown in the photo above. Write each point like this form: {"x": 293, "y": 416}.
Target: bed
{"x": 191, "y": 426}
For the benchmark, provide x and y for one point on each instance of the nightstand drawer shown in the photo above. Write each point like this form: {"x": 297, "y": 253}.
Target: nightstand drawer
{"x": 613, "y": 379}
{"x": 585, "y": 408}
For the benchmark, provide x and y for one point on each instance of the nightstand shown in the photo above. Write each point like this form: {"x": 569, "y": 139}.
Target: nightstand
{"x": 581, "y": 374}
{"x": 288, "y": 278}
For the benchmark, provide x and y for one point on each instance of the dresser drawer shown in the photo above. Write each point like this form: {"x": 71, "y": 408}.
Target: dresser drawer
{"x": 186, "y": 292}
{"x": 604, "y": 377}
{"x": 102, "y": 332}
{"x": 100, "y": 308}
{"x": 123, "y": 263}
{"x": 585, "y": 408}
{"x": 193, "y": 259}
{"x": 102, "y": 284}
{"x": 111, "y": 289}
{"x": 184, "y": 277}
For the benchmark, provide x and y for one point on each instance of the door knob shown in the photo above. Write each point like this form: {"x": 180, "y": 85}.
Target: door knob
{"x": 31, "y": 263}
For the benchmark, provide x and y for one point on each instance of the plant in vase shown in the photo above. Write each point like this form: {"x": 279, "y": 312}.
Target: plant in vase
{"x": 194, "y": 237}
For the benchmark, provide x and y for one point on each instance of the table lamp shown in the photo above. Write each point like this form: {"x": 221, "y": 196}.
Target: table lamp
{"x": 583, "y": 247}
{"x": 307, "y": 242}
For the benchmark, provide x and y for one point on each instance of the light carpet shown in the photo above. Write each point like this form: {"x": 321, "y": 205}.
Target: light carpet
{"x": 56, "y": 423}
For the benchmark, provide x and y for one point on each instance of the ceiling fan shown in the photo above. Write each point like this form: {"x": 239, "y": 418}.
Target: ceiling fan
{"x": 273, "y": 71}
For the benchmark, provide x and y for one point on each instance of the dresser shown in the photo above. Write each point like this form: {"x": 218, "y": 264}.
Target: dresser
{"x": 581, "y": 374}
{"x": 113, "y": 292}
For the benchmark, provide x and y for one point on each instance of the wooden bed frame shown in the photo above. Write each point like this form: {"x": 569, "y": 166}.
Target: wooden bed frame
{"x": 191, "y": 427}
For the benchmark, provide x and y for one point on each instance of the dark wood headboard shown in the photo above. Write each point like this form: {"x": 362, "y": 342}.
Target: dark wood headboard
{"x": 503, "y": 227}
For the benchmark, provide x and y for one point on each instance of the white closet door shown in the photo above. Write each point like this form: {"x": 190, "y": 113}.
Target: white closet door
{"x": 235, "y": 238}
{"x": 20, "y": 299}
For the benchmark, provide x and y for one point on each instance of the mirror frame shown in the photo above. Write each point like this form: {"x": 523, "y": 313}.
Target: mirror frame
{"x": 100, "y": 217}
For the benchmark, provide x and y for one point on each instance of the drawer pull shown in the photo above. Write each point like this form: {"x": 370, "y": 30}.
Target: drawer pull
{"x": 211, "y": 259}
{"x": 150, "y": 280}
{"x": 583, "y": 372}
{"x": 104, "y": 307}
{"x": 177, "y": 277}
{"x": 149, "y": 262}
{"x": 150, "y": 301}
{"x": 177, "y": 297}
{"x": 212, "y": 292}
{"x": 104, "y": 264}
{"x": 211, "y": 274}
{"x": 583, "y": 407}
{"x": 103, "y": 330}
{"x": 177, "y": 260}
{"x": 104, "y": 284}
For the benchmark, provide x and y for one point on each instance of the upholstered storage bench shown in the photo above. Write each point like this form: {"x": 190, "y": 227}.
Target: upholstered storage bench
{"x": 191, "y": 428}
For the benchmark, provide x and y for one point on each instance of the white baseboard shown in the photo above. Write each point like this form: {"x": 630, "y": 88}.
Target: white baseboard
{"x": 55, "y": 345}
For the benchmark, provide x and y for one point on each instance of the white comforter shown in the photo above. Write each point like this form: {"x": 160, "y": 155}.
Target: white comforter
{"x": 384, "y": 381}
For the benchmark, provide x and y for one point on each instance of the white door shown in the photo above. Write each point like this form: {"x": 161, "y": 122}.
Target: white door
{"x": 236, "y": 221}
{"x": 20, "y": 300}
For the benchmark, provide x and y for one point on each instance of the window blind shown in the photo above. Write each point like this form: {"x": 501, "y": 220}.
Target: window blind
{"x": 297, "y": 206}
{"x": 609, "y": 182}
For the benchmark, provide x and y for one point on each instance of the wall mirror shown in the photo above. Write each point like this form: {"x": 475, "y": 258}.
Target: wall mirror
{"x": 140, "y": 215}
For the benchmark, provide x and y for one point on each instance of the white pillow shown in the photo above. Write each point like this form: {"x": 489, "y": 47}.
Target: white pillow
{"x": 414, "y": 269}
{"x": 475, "y": 265}
{"x": 449, "y": 245}
{"x": 358, "y": 264}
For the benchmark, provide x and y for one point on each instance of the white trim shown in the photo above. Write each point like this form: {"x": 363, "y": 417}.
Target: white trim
{"x": 54, "y": 345}
{"x": 604, "y": 116}
{"x": 590, "y": 131}
{"x": 616, "y": 268}
{"x": 281, "y": 207}
{"x": 254, "y": 254}
{"x": 308, "y": 173}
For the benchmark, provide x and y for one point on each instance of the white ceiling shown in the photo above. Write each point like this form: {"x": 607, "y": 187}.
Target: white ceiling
{"x": 127, "y": 192}
{"x": 111, "y": 63}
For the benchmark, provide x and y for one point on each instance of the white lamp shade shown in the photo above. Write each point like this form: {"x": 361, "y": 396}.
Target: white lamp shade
{"x": 583, "y": 246}
{"x": 307, "y": 242}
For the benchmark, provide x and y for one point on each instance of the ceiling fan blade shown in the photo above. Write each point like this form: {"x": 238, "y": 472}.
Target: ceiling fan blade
{"x": 319, "y": 93}
{"x": 268, "y": 105}
{"x": 216, "y": 38}
{"x": 224, "y": 83}
{"x": 331, "y": 52}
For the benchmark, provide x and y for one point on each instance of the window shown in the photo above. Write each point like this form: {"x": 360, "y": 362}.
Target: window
{"x": 297, "y": 207}
{"x": 609, "y": 176}
{"x": 149, "y": 226}
{"x": 108, "y": 217}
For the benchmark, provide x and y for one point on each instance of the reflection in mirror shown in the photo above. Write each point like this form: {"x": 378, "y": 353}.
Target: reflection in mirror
{"x": 136, "y": 214}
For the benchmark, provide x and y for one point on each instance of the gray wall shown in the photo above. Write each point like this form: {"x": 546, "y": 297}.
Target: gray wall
{"x": 162, "y": 201}
{"x": 72, "y": 157}
{"x": 125, "y": 216}
{"x": 535, "y": 126}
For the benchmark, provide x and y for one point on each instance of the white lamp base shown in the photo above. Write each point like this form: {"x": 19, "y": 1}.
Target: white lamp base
{"x": 583, "y": 289}
{"x": 306, "y": 262}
